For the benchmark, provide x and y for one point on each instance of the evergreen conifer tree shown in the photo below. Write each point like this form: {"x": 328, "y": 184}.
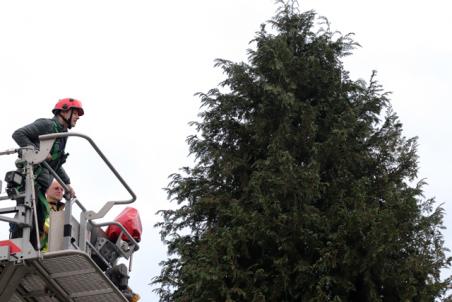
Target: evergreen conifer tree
{"x": 304, "y": 187}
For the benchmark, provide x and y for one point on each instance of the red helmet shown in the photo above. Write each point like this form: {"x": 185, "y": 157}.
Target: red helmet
{"x": 67, "y": 104}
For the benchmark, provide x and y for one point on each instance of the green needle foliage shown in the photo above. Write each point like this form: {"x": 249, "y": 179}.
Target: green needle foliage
{"x": 304, "y": 187}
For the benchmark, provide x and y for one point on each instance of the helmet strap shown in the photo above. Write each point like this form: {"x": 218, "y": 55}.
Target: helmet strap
{"x": 68, "y": 120}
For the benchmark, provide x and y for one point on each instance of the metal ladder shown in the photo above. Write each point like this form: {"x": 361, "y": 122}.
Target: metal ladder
{"x": 67, "y": 273}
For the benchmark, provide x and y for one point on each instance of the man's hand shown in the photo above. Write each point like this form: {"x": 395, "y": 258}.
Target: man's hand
{"x": 71, "y": 192}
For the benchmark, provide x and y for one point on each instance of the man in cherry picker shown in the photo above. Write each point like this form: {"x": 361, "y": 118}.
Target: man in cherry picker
{"x": 66, "y": 114}
{"x": 54, "y": 196}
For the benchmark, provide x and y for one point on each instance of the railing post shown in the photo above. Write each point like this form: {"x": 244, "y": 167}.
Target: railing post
{"x": 67, "y": 228}
{"x": 28, "y": 205}
{"x": 83, "y": 234}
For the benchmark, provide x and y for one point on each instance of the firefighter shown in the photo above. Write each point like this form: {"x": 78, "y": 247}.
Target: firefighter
{"x": 66, "y": 114}
{"x": 54, "y": 196}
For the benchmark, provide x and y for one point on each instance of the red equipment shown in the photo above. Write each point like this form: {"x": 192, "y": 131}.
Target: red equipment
{"x": 12, "y": 247}
{"x": 130, "y": 219}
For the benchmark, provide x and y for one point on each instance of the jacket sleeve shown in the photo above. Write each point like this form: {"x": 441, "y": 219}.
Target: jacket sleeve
{"x": 29, "y": 135}
{"x": 61, "y": 173}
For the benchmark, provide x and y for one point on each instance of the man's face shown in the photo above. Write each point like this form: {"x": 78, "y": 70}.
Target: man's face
{"x": 75, "y": 116}
{"x": 55, "y": 191}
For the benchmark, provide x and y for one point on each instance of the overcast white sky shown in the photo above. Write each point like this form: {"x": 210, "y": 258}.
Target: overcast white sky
{"x": 135, "y": 65}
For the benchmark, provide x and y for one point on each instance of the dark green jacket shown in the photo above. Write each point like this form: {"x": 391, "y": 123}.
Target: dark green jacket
{"x": 29, "y": 135}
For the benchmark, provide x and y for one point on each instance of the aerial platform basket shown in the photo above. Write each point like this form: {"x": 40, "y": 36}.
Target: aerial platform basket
{"x": 80, "y": 254}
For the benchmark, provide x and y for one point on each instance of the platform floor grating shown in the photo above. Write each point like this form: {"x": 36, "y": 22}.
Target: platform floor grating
{"x": 69, "y": 276}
